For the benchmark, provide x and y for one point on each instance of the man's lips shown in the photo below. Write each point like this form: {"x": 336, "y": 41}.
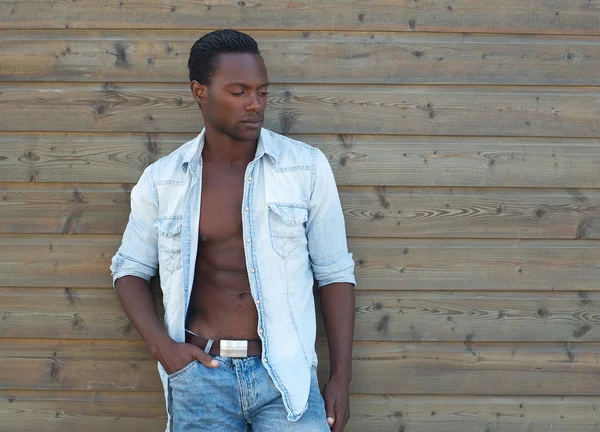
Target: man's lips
{"x": 254, "y": 123}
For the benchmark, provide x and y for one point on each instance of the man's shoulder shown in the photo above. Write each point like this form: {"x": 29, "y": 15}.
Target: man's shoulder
{"x": 292, "y": 152}
{"x": 169, "y": 168}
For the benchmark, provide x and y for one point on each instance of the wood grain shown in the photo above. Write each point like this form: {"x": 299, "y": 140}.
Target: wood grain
{"x": 422, "y": 110}
{"x": 369, "y": 212}
{"x": 395, "y": 368}
{"x": 356, "y": 159}
{"x": 380, "y": 316}
{"x": 389, "y": 413}
{"x": 306, "y": 57}
{"x": 510, "y": 16}
{"x": 82, "y": 261}
{"x": 92, "y": 411}
{"x": 58, "y": 411}
{"x": 484, "y": 265}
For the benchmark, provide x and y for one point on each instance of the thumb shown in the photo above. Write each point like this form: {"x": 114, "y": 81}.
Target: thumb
{"x": 204, "y": 358}
{"x": 329, "y": 409}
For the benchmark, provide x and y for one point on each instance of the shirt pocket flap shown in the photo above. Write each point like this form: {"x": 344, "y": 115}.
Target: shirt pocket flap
{"x": 289, "y": 215}
{"x": 168, "y": 227}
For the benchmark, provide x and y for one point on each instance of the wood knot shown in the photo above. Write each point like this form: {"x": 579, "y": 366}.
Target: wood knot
{"x": 382, "y": 327}
{"x": 543, "y": 312}
{"x": 412, "y": 23}
{"x": 30, "y": 155}
{"x": 121, "y": 55}
{"x": 101, "y": 108}
{"x": 286, "y": 122}
{"x": 572, "y": 57}
{"x": 78, "y": 196}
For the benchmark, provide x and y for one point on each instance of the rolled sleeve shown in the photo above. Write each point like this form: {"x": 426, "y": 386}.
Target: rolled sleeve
{"x": 138, "y": 253}
{"x": 325, "y": 229}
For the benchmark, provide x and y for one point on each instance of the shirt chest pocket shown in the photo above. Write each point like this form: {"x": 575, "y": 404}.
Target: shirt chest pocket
{"x": 286, "y": 226}
{"x": 169, "y": 242}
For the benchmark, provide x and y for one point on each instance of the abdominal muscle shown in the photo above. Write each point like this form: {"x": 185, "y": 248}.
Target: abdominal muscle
{"x": 221, "y": 304}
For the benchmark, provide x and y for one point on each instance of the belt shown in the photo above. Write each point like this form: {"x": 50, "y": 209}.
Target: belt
{"x": 226, "y": 348}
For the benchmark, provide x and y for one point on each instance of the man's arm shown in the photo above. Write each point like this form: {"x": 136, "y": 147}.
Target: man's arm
{"x": 137, "y": 302}
{"x": 134, "y": 264}
{"x": 333, "y": 269}
{"x": 337, "y": 303}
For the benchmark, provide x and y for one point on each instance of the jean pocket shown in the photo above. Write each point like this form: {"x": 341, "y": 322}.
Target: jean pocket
{"x": 286, "y": 225}
{"x": 169, "y": 241}
{"x": 181, "y": 372}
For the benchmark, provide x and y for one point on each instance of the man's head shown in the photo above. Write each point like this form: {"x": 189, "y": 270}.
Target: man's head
{"x": 229, "y": 81}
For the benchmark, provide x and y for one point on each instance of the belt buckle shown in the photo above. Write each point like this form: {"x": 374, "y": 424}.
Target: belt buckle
{"x": 234, "y": 348}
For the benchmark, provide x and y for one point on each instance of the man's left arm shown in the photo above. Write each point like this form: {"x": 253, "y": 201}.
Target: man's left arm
{"x": 333, "y": 268}
{"x": 337, "y": 303}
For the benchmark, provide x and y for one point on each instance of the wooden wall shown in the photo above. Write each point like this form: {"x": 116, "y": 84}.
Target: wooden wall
{"x": 465, "y": 137}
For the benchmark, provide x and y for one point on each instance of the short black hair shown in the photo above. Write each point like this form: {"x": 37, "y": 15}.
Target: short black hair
{"x": 204, "y": 55}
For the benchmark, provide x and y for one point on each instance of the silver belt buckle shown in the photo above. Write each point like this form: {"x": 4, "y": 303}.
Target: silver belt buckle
{"x": 233, "y": 348}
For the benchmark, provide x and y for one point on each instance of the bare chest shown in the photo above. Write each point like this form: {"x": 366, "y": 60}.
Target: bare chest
{"x": 221, "y": 205}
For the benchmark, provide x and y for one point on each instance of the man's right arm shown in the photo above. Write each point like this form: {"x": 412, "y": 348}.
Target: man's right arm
{"x": 138, "y": 304}
{"x": 134, "y": 264}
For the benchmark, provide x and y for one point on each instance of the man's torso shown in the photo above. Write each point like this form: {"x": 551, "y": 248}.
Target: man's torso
{"x": 221, "y": 304}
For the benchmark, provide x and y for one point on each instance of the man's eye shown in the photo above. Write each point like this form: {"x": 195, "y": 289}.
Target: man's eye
{"x": 237, "y": 94}
{"x": 263, "y": 93}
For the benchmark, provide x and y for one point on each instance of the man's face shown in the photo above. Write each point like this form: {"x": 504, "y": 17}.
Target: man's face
{"x": 235, "y": 99}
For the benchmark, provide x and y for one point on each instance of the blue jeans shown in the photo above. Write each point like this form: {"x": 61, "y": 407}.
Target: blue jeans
{"x": 238, "y": 395}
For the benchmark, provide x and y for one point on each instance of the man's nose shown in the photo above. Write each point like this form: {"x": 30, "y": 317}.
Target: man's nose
{"x": 254, "y": 103}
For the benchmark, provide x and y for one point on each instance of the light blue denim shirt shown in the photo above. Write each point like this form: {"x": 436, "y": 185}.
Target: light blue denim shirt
{"x": 293, "y": 230}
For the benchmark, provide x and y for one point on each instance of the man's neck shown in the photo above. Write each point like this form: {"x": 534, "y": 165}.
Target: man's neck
{"x": 226, "y": 150}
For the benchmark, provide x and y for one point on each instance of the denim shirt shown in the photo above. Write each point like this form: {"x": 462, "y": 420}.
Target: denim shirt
{"x": 293, "y": 230}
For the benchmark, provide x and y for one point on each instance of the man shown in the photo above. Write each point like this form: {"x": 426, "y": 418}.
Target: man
{"x": 239, "y": 221}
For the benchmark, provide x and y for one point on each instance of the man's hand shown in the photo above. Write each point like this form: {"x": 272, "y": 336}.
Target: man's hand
{"x": 337, "y": 403}
{"x": 174, "y": 356}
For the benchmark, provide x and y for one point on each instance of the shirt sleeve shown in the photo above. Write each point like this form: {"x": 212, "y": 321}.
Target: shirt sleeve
{"x": 138, "y": 253}
{"x": 325, "y": 229}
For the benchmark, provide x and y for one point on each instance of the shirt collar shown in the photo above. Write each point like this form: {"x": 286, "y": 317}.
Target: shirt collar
{"x": 266, "y": 145}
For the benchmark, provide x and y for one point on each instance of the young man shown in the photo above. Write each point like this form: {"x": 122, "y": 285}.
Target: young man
{"x": 239, "y": 221}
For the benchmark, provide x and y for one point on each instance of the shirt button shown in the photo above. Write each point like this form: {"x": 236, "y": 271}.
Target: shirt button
{"x": 169, "y": 235}
{"x": 248, "y": 240}
{"x": 247, "y": 208}
{"x": 266, "y": 361}
{"x": 289, "y": 222}
{"x": 257, "y": 301}
{"x": 249, "y": 178}
{"x": 260, "y": 331}
{"x": 253, "y": 271}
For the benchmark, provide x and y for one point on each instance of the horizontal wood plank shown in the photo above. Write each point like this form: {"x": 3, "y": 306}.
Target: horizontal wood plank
{"x": 60, "y": 411}
{"x": 391, "y": 368}
{"x": 390, "y": 413}
{"x": 510, "y": 16}
{"x": 471, "y": 213}
{"x": 370, "y": 212}
{"x": 422, "y": 110}
{"x": 307, "y": 57}
{"x": 92, "y": 411}
{"x": 380, "y": 316}
{"x": 356, "y": 159}
{"x": 381, "y": 264}
{"x": 389, "y": 264}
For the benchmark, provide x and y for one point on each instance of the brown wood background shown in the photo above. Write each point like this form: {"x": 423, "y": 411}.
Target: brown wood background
{"x": 465, "y": 139}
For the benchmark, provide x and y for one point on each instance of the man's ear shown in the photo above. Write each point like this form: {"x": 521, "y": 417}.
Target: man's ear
{"x": 199, "y": 92}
